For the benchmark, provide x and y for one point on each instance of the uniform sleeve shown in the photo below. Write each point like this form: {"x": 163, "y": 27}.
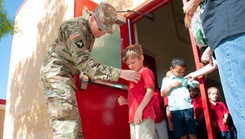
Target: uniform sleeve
{"x": 79, "y": 46}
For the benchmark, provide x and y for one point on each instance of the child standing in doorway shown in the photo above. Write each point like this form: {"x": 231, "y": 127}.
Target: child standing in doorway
{"x": 179, "y": 101}
{"x": 141, "y": 112}
{"x": 219, "y": 113}
{"x": 198, "y": 112}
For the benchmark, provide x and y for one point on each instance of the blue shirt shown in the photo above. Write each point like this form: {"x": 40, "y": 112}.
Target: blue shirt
{"x": 179, "y": 97}
{"x": 222, "y": 19}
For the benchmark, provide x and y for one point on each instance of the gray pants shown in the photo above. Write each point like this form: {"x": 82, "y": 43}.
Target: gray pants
{"x": 144, "y": 130}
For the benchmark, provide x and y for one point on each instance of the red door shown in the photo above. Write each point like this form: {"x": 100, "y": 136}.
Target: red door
{"x": 101, "y": 116}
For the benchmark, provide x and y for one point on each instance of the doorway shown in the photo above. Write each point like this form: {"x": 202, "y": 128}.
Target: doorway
{"x": 160, "y": 39}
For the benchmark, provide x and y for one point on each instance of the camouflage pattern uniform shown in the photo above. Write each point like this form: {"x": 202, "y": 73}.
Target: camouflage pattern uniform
{"x": 69, "y": 54}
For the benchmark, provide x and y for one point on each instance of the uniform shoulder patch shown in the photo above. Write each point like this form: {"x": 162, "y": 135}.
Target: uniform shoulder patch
{"x": 74, "y": 35}
{"x": 79, "y": 44}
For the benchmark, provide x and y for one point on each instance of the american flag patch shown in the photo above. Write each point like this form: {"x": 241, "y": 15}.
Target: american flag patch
{"x": 74, "y": 35}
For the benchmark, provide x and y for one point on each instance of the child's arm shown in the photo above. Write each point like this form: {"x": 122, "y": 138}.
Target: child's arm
{"x": 170, "y": 123}
{"x": 141, "y": 107}
{"x": 225, "y": 119}
{"x": 122, "y": 100}
{"x": 166, "y": 91}
{"x": 205, "y": 70}
{"x": 200, "y": 119}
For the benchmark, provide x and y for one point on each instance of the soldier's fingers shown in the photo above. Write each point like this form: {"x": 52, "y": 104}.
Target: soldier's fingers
{"x": 137, "y": 77}
{"x": 136, "y": 81}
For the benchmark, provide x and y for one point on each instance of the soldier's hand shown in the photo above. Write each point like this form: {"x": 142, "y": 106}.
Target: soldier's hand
{"x": 130, "y": 75}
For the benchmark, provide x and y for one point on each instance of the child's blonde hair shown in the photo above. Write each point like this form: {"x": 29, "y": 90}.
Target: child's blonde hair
{"x": 210, "y": 89}
{"x": 132, "y": 51}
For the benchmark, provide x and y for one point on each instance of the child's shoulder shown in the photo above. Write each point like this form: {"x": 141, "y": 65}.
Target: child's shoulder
{"x": 221, "y": 103}
{"x": 145, "y": 70}
{"x": 167, "y": 79}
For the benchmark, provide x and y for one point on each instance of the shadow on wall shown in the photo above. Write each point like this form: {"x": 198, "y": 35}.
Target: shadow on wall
{"x": 27, "y": 105}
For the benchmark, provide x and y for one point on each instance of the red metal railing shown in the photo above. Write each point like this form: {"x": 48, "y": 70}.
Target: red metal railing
{"x": 202, "y": 85}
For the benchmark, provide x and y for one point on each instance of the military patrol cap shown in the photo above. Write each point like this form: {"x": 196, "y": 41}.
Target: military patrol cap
{"x": 105, "y": 16}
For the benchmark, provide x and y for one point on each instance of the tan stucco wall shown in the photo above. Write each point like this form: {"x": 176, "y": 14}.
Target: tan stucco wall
{"x": 26, "y": 115}
{"x": 2, "y": 115}
{"x": 123, "y": 5}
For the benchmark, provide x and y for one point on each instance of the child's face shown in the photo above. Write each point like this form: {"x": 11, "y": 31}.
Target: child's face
{"x": 135, "y": 63}
{"x": 177, "y": 71}
{"x": 193, "y": 92}
{"x": 213, "y": 95}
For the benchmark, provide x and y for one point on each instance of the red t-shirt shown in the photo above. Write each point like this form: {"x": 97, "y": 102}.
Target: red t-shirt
{"x": 197, "y": 106}
{"x": 157, "y": 101}
{"x": 217, "y": 111}
{"x": 136, "y": 93}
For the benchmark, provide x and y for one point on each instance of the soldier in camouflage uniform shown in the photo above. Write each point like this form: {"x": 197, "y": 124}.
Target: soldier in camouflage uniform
{"x": 69, "y": 54}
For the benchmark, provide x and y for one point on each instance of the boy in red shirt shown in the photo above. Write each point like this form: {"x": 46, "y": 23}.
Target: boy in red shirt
{"x": 198, "y": 112}
{"x": 220, "y": 114}
{"x": 141, "y": 112}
